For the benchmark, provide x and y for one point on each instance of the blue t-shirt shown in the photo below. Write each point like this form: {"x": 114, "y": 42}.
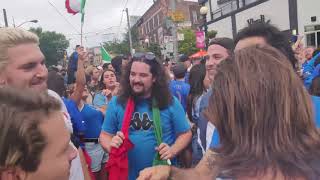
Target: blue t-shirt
{"x": 100, "y": 100}
{"x": 93, "y": 119}
{"x": 180, "y": 90}
{"x": 78, "y": 124}
{"x": 141, "y": 131}
{"x": 316, "y": 105}
{"x": 308, "y": 69}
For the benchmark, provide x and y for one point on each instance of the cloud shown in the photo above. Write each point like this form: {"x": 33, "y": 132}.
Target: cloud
{"x": 100, "y": 16}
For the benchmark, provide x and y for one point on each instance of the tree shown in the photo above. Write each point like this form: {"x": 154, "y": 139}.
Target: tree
{"x": 115, "y": 47}
{"x": 188, "y": 45}
{"x": 52, "y": 45}
{"x": 210, "y": 35}
{"x": 154, "y": 48}
{"x": 122, "y": 47}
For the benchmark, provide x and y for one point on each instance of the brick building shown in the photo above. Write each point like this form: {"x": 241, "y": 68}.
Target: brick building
{"x": 153, "y": 25}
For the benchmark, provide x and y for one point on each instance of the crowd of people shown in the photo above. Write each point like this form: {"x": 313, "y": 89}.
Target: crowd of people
{"x": 249, "y": 110}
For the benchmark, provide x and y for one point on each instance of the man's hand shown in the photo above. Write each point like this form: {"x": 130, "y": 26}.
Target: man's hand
{"x": 83, "y": 56}
{"x": 117, "y": 140}
{"x": 155, "y": 173}
{"x": 116, "y": 89}
{"x": 166, "y": 152}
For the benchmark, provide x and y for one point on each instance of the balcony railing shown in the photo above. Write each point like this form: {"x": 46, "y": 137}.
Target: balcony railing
{"x": 230, "y": 7}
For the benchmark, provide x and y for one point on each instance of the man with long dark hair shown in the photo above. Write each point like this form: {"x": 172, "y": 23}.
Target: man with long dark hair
{"x": 144, "y": 80}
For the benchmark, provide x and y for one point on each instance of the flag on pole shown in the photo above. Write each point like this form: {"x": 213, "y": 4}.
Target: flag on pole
{"x": 75, "y": 7}
{"x": 105, "y": 55}
{"x": 83, "y": 3}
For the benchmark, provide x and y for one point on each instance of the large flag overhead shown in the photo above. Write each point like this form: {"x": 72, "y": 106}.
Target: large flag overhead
{"x": 105, "y": 55}
{"x": 75, "y": 7}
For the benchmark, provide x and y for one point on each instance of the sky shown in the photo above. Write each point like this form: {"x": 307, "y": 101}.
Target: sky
{"x": 102, "y": 19}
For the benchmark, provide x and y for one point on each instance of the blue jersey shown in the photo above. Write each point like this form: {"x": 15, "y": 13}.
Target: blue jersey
{"x": 93, "y": 119}
{"x": 78, "y": 124}
{"x": 73, "y": 61}
{"x": 180, "y": 90}
{"x": 141, "y": 131}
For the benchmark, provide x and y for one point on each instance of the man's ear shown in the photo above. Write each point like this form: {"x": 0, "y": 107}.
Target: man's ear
{"x": 13, "y": 174}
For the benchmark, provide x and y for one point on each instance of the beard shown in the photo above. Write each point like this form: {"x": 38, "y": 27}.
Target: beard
{"x": 140, "y": 92}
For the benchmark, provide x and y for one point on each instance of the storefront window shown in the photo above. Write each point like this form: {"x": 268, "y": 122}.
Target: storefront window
{"x": 313, "y": 39}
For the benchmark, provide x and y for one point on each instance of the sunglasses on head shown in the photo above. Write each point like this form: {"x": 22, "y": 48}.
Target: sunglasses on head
{"x": 144, "y": 56}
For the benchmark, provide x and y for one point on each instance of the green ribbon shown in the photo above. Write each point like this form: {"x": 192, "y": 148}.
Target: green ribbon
{"x": 158, "y": 132}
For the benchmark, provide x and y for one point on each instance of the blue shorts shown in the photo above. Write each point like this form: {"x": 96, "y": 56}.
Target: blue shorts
{"x": 97, "y": 155}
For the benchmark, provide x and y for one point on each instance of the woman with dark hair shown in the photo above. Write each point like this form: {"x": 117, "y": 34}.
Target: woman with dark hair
{"x": 196, "y": 78}
{"x": 197, "y": 88}
{"x": 107, "y": 66}
{"x": 264, "y": 118}
{"x": 108, "y": 87}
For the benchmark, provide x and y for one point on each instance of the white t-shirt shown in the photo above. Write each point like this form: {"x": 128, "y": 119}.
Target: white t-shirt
{"x": 76, "y": 172}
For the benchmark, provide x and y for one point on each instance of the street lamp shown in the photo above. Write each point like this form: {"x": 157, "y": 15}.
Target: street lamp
{"x": 33, "y": 21}
{"x": 204, "y": 11}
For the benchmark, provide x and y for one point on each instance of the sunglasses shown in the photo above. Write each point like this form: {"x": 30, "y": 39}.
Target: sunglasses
{"x": 144, "y": 56}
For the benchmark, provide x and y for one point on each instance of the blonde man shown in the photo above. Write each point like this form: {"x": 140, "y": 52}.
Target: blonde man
{"x": 22, "y": 66}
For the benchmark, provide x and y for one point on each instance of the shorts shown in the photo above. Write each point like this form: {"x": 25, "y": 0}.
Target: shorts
{"x": 97, "y": 155}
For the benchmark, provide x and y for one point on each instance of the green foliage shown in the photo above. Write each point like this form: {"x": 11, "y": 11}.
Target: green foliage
{"x": 188, "y": 45}
{"x": 154, "y": 48}
{"x": 116, "y": 47}
{"x": 52, "y": 45}
{"x": 210, "y": 35}
{"x": 122, "y": 47}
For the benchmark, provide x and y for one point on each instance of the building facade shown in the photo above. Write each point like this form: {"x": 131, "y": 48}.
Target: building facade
{"x": 95, "y": 56}
{"x": 153, "y": 26}
{"x": 227, "y": 17}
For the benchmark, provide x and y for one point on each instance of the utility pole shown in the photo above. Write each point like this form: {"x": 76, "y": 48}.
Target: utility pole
{"x": 129, "y": 29}
{"x": 5, "y": 17}
{"x": 174, "y": 32}
{"x": 14, "y": 23}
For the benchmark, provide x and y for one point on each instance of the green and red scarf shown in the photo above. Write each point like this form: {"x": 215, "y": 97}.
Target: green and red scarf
{"x": 117, "y": 165}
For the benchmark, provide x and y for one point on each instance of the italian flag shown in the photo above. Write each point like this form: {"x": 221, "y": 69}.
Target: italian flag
{"x": 76, "y": 6}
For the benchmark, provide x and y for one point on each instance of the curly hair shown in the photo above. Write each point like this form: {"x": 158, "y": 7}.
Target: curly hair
{"x": 160, "y": 88}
